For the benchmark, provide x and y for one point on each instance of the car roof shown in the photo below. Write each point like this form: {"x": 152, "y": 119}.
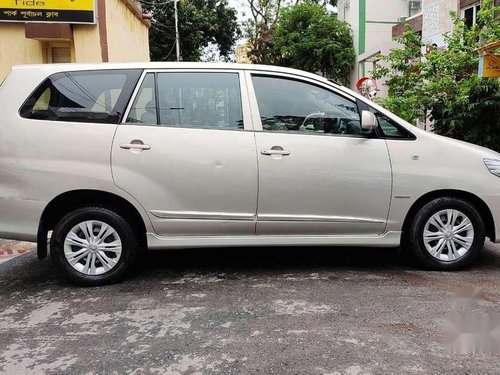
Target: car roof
{"x": 41, "y": 71}
{"x": 54, "y": 68}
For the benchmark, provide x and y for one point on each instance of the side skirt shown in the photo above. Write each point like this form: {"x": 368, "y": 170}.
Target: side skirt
{"x": 155, "y": 242}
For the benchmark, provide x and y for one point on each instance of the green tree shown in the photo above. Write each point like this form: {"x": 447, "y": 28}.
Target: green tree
{"x": 201, "y": 23}
{"x": 309, "y": 37}
{"x": 403, "y": 73}
{"x": 443, "y": 85}
{"x": 260, "y": 28}
{"x": 321, "y": 2}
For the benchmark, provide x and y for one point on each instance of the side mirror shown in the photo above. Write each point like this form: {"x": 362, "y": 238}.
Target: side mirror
{"x": 368, "y": 121}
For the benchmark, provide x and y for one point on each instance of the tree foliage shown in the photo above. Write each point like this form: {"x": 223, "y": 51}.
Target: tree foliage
{"x": 302, "y": 34}
{"x": 308, "y": 37}
{"x": 260, "y": 28}
{"x": 201, "y": 23}
{"x": 442, "y": 85}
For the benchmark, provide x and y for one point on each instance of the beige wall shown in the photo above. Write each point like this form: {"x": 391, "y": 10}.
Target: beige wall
{"x": 16, "y": 49}
{"x": 242, "y": 53}
{"x": 437, "y": 20}
{"x": 130, "y": 43}
{"x": 128, "y": 40}
{"x": 87, "y": 45}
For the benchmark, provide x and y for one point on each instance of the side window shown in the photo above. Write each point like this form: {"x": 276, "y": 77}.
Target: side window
{"x": 88, "y": 96}
{"x": 200, "y": 100}
{"x": 287, "y": 105}
{"x": 389, "y": 129}
{"x": 143, "y": 110}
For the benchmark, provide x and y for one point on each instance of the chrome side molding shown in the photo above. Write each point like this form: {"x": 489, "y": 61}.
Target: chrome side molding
{"x": 318, "y": 218}
{"x": 197, "y": 215}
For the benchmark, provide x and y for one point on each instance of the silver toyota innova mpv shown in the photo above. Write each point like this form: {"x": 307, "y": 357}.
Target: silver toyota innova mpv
{"x": 98, "y": 162}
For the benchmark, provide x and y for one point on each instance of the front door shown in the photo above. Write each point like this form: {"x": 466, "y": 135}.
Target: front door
{"x": 318, "y": 173}
{"x": 185, "y": 154}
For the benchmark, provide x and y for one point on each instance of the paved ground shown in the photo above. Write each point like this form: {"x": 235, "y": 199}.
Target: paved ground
{"x": 12, "y": 249}
{"x": 242, "y": 311}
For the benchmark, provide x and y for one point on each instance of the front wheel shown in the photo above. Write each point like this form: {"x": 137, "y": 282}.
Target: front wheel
{"x": 94, "y": 246}
{"x": 447, "y": 234}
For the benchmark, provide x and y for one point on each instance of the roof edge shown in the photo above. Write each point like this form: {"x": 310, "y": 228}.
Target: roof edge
{"x": 167, "y": 65}
{"x": 136, "y": 11}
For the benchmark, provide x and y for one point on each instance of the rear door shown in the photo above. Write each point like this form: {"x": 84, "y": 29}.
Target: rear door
{"x": 186, "y": 152}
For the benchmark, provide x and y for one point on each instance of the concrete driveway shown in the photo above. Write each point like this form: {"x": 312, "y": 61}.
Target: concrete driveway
{"x": 243, "y": 311}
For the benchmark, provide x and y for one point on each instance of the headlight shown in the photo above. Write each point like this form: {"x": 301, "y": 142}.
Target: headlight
{"x": 493, "y": 166}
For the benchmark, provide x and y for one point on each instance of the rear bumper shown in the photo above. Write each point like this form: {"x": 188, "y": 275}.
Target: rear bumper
{"x": 19, "y": 218}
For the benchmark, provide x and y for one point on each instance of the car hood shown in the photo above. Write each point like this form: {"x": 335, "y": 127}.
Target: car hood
{"x": 451, "y": 142}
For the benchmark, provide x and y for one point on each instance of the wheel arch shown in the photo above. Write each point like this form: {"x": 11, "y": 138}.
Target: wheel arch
{"x": 473, "y": 199}
{"x": 70, "y": 200}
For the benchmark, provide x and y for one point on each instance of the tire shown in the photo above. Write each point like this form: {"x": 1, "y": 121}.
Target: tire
{"x": 112, "y": 252}
{"x": 458, "y": 250}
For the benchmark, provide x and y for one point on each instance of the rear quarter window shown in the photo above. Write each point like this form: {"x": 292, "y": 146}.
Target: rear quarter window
{"x": 83, "y": 96}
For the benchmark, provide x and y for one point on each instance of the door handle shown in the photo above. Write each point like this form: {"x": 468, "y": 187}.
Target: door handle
{"x": 135, "y": 145}
{"x": 275, "y": 151}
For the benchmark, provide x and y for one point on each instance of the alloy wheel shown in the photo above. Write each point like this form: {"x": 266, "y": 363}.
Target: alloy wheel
{"x": 448, "y": 235}
{"x": 92, "y": 247}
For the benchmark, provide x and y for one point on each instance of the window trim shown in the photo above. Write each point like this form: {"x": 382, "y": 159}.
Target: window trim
{"x": 363, "y": 104}
{"x": 245, "y": 107}
{"x": 409, "y": 136}
{"x": 256, "y": 112}
{"x": 379, "y": 133}
{"x": 125, "y": 98}
{"x": 474, "y": 12}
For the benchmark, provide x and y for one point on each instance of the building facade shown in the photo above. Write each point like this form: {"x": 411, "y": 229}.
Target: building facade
{"x": 241, "y": 52}
{"x": 376, "y": 23}
{"x": 371, "y": 22}
{"x": 120, "y": 33}
{"x": 435, "y": 21}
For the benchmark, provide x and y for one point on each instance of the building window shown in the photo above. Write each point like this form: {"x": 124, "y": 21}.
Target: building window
{"x": 415, "y": 7}
{"x": 469, "y": 14}
{"x": 59, "y": 53}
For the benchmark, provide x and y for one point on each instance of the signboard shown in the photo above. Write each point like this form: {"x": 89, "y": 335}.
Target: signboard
{"x": 489, "y": 60}
{"x": 67, "y": 11}
{"x": 489, "y": 66}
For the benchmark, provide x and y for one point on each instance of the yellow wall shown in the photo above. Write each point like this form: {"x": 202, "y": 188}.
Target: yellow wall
{"x": 128, "y": 40}
{"x": 126, "y": 43}
{"x": 16, "y": 49}
{"x": 86, "y": 43}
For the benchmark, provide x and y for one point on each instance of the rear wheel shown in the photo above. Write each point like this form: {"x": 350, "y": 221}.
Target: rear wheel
{"x": 94, "y": 246}
{"x": 446, "y": 234}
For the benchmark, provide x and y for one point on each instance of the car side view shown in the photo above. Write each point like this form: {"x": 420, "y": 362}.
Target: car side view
{"x": 100, "y": 161}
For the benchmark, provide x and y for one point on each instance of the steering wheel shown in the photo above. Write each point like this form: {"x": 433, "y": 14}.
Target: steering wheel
{"x": 342, "y": 129}
{"x": 310, "y": 116}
